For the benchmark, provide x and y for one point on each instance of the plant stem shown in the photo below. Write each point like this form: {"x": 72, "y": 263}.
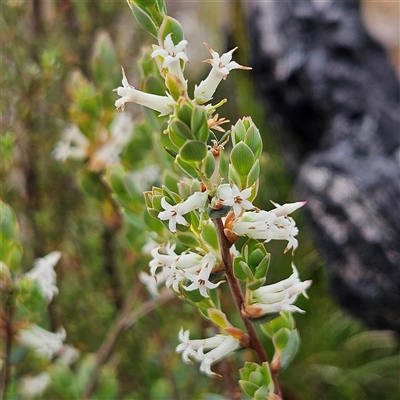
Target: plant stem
{"x": 7, "y": 317}
{"x": 111, "y": 268}
{"x": 238, "y": 297}
{"x": 124, "y": 320}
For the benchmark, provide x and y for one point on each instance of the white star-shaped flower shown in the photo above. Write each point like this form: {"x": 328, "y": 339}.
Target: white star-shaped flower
{"x": 221, "y": 66}
{"x": 172, "y": 55}
{"x": 232, "y": 196}
{"x": 163, "y": 104}
{"x": 172, "y": 215}
{"x": 73, "y": 144}
{"x": 201, "y": 281}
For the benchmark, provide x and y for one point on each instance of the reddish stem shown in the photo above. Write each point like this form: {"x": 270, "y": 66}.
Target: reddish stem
{"x": 238, "y": 297}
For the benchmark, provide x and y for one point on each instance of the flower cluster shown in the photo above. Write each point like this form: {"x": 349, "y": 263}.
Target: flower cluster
{"x": 206, "y": 351}
{"x": 207, "y": 212}
{"x": 179, "y": 269}
{"x": 43, "y": 273}
{"x": 106, "y": 151}
{"x": 277, "y": 297}
{"x": 170, "y": 57}
{"x": 269, "y": 225}
{"x": 44, "y": 343}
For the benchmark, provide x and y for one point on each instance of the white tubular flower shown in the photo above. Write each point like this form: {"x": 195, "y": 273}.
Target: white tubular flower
{"x": 31, "y": 387}
{"x": 255, "y": 225}
{"x": 287, "y": 208}
{"x": 153, "y": 282}
{"x": 45, "y": 343}
{"x": 232, "y": 196}
{"x": 220, "y": 346}
{"x": 286, "y": 229}
{"x": 68, "y": 355}
{"x": 172, "y": 214}
{"x": 161, "y": 260}
{"x": 146, "y": 177}
{"x": 174, "y": 276}
{"x": 277, "y": 297}
{"x": 172, "y": 56}
{"x": 163, "y": 104}
{"x": 201, "y": 280}
{"x": 221, "y": 66}
{"x": 195, "y": 201}
{"x": 267, "y": 226}
{"x": 74, "y": 144}
{"x": 121, "y": 130}
{"x": 43, "y": 273}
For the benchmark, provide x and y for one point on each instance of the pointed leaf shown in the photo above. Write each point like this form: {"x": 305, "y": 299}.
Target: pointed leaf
{"x": 193, "y": 151}
{"x": 242, "y": 159}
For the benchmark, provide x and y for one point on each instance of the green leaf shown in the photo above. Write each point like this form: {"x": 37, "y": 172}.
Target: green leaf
{"x": 108, "y": 384}
{"x": 261, "y": 393}
{"x": 285, "y": 320}
{"x": 238, "y": 270}
{"x": 180, "y": 129}
{"x": 208, "y": 165}
{"x": 218, "y": 318}
{"x": 286, "y": 345}
{"x": 154, "y": 85}
{"x": 238, "y": 132}
{"x": 236, "y": 178}
{"x": 143, "y": 18}
{"x": 184, "y": 111}
{"x": 256, "y": 284}
{"x": 92, "y": 185}
{"x": 265, "y": 318}
{"x": 218, "y": 213}
{"x": 199, "y": 123}
{"x": 248, "y": 387}
{"x": 209, "y": 235}
{"x": 196, "y": 297}
{"x": 281, "y": 338}
{"x": 242, "y": 159}
{"x": 187, "y": 239}
{"x": 256, "y": 257}
{"x": 11, "y": 248}
{"x": 253, "y": 140}
{"x": 261, "y": 270}
{"x": 186, "y": 167}
{"x": 175, "y": 86}
{"x": 144, "y": 3}
{"x": 253, "y": 175}
{"x": 170, "y": 25}
{"x": 193, "y": 151}
{"x": 257, "y": 378}
{"x": 248, "y": 368}
{"x": 105, "y": 69}
{"x": 214, "y": 297}
{"x": 247, "y": 270}
{"x": 170, "y": 180}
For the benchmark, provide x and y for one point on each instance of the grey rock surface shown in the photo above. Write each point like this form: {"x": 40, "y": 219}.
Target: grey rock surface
{"x": 331, "y": 86}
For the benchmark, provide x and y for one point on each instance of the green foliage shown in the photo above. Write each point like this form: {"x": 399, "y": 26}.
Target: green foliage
{"x": 11, "y": 250}
{"x": 256, "y": 380}
{"x": 338, "y": 359}
{"x": 252, "y": 266}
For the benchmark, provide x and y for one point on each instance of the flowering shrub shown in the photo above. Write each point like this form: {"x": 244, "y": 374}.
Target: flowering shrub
{"x": 206, "y": 205}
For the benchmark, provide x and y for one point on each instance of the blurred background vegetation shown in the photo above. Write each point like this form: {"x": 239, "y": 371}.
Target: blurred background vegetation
{"x": 49, "y": 63}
